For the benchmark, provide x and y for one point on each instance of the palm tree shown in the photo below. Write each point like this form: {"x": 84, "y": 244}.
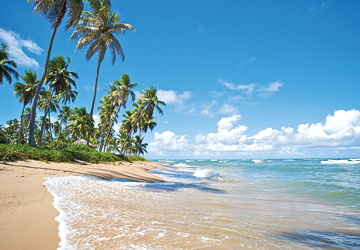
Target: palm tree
{"x": 58, "y": 76}
{"x": 140, "y": 146}
{"x": 147, "y": 103}
{"x": 64, "y": 116}
{"x": 79, "y": 120}
{"x": 123, "y": 90}
{"x": 96, "y": 30}
{"x": 54, "y": 11}
{"x": 48, "y": 104}
{"x": 60, "y": 80}
{"x": 25, "y": 93}
{"x": 6, "y": 65}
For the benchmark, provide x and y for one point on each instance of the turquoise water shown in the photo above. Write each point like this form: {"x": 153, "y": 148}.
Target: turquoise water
{"x": 216, "y": 204}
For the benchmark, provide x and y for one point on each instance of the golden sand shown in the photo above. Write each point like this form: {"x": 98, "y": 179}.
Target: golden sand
{"x": 27, "y": 215}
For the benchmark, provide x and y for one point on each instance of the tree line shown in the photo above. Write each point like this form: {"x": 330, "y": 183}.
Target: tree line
{"x": 94, "y": 29}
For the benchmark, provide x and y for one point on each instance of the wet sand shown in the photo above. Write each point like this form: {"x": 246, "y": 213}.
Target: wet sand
{"x": 27, "y": 215}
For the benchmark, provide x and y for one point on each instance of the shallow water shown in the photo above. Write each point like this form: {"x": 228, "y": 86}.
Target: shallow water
{"x": 216, "y": 204}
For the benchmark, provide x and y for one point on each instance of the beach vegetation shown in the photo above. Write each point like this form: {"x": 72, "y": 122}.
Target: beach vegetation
{"x": 60, "y": 152}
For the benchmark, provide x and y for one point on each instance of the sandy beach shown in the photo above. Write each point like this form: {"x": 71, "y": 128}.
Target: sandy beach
{"x": 27, "y": 215}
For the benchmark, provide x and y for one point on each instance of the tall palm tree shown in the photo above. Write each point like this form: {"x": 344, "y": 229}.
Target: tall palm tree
{"x": 123, "y": 90}
{"x": 147, "y": 103}
{"x": 64, "y": 116}
{"x": 96, "y": 30}
{"x": 48, "y": 104}
{"x": 25, "y": 92}
{"x": 6, "y": 65}
{"x": 54, "y": 11}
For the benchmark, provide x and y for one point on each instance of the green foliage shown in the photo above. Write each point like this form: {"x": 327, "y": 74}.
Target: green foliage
{"x": 60, "y": 152}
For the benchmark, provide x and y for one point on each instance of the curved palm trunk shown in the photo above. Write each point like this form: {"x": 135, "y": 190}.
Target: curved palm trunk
{"x": 38, "y": 89}
{"x": 21, "y": 124}
{"x": 42, "y": 129}
{"x": 93, "y": 103}
{"x": 51, "y": 137}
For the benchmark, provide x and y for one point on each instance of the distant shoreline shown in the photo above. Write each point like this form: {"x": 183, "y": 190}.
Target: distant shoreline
{"x": 27, "y": 219}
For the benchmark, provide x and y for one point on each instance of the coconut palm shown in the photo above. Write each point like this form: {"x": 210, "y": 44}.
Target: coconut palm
{"x": 123, "y": 90}
{"x": 79, "y": 120}
{"x": 6, "y": 65}
{"x": 54, "y": 11}
{"x": 96, "y": 30}
{"x": 58, "y": 76}
{"x": 48, "y": 104}
{"x": 64, "y": 116}
{"x": 25, "y": 92}
{"x": 146, "y": 105}
{"x": 140, "y": 147}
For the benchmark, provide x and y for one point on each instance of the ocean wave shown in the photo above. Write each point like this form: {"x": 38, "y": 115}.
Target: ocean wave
{"x": 206, "y": 173}
{"x": 350, "y": 161}
{"x": 257, "y": 161}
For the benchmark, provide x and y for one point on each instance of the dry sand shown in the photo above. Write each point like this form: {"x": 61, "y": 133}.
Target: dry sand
{"x": 27, "y": 215}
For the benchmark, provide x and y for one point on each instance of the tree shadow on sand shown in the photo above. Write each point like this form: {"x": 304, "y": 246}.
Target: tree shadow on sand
{"x": 322, "y": 239}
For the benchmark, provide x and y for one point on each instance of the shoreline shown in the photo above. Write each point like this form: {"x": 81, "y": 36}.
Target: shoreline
{"x": 27, "y": 218}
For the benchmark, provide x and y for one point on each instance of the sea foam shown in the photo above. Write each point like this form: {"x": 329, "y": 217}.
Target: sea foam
{"x": 351, "y": 161}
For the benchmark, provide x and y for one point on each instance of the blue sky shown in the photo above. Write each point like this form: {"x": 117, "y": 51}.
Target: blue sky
{"x": 241, "y": 79}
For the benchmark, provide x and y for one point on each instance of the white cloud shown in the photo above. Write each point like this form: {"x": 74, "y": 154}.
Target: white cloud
{"x": 247, "y": 61}
{"x": 206, "y": 110}
{"x": 340, "y": 131}
{"x": 228, "y": 109}
{"x": 322, "y": 6}
{"x": 263, "y": 90}
{"x": 16, "y": 45}
{"x": 171, "y": 97}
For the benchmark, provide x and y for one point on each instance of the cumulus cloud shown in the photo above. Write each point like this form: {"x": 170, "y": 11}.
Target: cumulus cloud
{"x": 262, "y": 90}
{"x": 16, "y": 45}
{"x": 340, "y": 130}
{"x": 171, "y": 97}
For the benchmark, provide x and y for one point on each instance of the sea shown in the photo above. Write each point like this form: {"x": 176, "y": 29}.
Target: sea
{"x": 215, "y": 204}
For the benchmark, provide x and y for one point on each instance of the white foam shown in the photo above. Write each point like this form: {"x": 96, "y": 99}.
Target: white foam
{"x": 181, "y": 165}
{"x": 351, "y": 161}
{"x": 206, "y": 173}
{"x": 257, "y": 161}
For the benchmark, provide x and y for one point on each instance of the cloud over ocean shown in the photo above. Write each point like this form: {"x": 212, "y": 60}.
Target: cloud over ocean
{"x": 339, "y": 132}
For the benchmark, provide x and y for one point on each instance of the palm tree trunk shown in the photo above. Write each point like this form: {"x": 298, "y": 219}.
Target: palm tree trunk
{"x": 112, "y": 123}
{"x": 93, "y": 103}
{"x": 60, "y": 123}
{"x": 22, "y": 113}
{"x": 38, "y": 89}
{"x": 42, "y": 129}
{"x": 21, "y": 124}
{"x": 51, "y": 137}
